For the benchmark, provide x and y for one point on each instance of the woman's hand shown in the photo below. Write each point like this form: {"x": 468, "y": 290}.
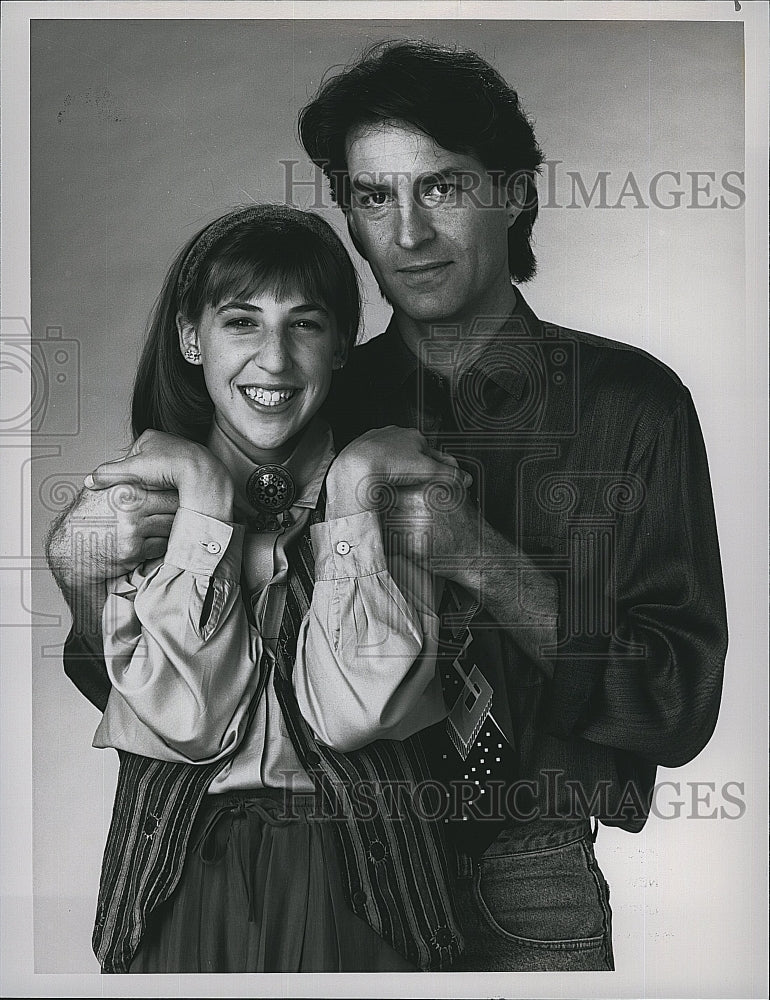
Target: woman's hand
{"x": 369, "y": 473}
{"x": 160, "y": 461}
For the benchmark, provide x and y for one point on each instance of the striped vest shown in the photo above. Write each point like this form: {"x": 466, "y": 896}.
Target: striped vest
{"x": 394, "y": 861}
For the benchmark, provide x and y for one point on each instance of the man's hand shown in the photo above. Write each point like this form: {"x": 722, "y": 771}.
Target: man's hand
{"x": 447, "y": 535}
{"x": 103, "y": 535}
{"x": 160, "y": 461}
{"x": 115, "y": 530}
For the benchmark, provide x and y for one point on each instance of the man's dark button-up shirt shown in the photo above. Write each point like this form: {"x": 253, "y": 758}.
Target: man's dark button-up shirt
{"x": 587, "y": 455}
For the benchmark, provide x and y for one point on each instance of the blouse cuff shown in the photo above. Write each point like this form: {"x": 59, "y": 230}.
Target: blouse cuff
{"x": 348, "y": 547}
{"x": 203, "y": 545}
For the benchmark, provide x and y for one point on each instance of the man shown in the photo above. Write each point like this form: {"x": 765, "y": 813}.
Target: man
{"x": 591, "y": 503}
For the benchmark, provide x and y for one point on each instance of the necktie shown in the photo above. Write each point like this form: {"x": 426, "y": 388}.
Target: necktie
{"x": 293, "y": 602}
{"x": 469, "y": 753}
{"x": 299, "y": 592}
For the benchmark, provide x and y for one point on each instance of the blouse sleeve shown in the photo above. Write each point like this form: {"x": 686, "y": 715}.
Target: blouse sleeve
{"x": 178, "y": 648}
{"x": 366, "y": 654}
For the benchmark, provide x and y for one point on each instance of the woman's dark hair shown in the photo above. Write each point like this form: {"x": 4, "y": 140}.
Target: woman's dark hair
{"x": 451, "y": 95}
{"x": 253, "y": 250}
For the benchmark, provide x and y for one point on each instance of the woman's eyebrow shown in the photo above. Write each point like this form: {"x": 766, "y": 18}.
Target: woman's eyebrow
{"x": 309, "y": 307}
{"x": 249, "y": 306}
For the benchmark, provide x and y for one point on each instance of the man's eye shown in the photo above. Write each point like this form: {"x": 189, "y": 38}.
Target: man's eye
{"x": 374, "y": 199}
{"x": 438, "y": 192}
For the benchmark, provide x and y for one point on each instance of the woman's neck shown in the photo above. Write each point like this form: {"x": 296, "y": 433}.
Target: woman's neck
{"x": 260, "y": 456}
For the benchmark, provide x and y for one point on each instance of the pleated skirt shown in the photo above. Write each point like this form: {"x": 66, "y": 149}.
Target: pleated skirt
{"x": 261, "y": 891}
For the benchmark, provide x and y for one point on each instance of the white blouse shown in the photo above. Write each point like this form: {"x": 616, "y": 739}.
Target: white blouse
{"x": 185, "y": 660}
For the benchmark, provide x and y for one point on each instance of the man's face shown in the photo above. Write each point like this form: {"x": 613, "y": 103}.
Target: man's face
{"x": 432, "y": 224}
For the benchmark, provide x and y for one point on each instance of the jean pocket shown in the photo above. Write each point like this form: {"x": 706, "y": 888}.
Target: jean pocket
{"x": 551, "y": 898}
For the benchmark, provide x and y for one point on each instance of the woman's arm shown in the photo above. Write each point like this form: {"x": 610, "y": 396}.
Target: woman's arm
{"x": 366, "y": 655}
{"x": 178, "y": 648}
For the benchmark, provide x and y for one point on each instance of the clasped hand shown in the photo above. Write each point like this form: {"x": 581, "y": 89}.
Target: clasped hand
{"x": 129, "y": 504}
{"x": 420, "y": 493}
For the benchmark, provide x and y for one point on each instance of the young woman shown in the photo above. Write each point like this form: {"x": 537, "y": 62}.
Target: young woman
{"x": 259, "y": 718}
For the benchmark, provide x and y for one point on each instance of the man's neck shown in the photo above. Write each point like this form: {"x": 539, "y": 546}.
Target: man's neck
{"x": 472, "y": 332}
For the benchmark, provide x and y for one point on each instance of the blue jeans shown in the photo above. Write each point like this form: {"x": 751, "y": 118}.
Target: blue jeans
{"x": 535, "y": 902}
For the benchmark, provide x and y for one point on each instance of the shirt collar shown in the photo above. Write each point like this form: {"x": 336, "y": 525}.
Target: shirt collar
{"x": 400, "y": 363}
{"x": 307, "y": 464}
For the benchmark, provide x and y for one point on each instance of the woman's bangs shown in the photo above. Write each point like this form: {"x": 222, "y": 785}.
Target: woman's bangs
{"x": 240, "y": 277}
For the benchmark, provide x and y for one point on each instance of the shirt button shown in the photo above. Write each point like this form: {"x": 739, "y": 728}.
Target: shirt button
{"x": 213, "y": 547}
{"x": 359, "y": 897}
{"x": 343, "y": 548}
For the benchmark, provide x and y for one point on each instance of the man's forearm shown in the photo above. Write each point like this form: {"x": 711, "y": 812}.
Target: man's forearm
{"x": 515, "y": 592}
{"x": 86, "y": 605}
{"x": 83, "y": 649}
{"x": 69, "y": 563}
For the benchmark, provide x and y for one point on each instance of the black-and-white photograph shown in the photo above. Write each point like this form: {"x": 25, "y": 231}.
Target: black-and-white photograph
{"x": 385, "y": 506}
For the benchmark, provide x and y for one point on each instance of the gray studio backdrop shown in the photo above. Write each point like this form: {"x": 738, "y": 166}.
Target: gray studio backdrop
{"x": 144, "y": 130}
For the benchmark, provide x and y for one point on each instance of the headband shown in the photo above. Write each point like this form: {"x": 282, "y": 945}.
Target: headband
{"x": 223, "y": 226}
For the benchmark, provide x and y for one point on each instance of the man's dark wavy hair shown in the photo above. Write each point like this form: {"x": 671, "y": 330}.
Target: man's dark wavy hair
{"x": 449, "y": 94}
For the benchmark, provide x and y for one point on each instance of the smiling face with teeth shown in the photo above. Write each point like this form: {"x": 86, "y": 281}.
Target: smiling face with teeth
{"x": 267, "y": 364}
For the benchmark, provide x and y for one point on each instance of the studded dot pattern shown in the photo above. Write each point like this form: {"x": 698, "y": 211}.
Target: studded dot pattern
{"x": 490, "y": 757}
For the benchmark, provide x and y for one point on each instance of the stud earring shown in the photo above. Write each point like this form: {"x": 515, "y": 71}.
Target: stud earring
{"x": 192, "y": 354}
